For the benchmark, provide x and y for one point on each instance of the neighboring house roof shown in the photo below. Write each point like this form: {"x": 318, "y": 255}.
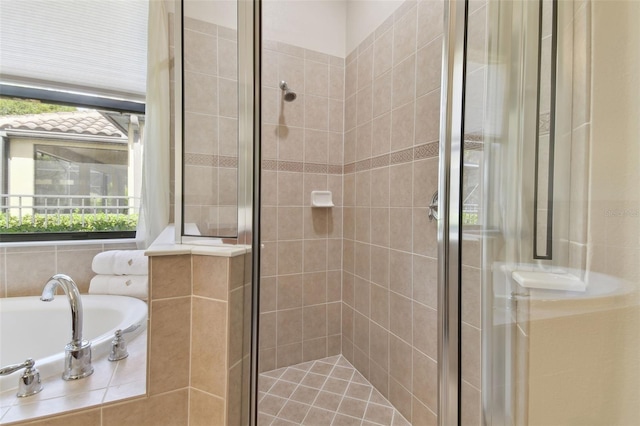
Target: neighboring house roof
{"x": 77, "y": 122}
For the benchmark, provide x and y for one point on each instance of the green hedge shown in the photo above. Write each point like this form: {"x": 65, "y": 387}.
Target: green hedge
{"x": 69, "y": 223}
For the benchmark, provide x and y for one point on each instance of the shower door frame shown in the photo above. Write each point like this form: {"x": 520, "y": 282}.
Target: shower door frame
{"x": 450, "y": 200}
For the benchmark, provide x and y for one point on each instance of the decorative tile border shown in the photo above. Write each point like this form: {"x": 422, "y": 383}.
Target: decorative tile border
{"x": 207, "y": 160}
{"x": 300, "y": 167}
{"x": 403, "y": 156}
{"x": 473, "y": 146}
{"x": 200, "y": 160}
{"x": 429, "y": 150}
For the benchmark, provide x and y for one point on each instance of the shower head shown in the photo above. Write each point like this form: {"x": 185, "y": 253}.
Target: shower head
{"x": 289, "y": 95}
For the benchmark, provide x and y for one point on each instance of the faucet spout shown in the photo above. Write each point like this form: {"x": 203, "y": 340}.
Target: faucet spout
{"x": 73, "y": 294}
{"x": 78, "y": 351}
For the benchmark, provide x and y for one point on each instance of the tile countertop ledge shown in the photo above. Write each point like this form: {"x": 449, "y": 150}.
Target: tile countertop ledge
{"x": 223, "y": 250}
{"x": 164, "y": 245}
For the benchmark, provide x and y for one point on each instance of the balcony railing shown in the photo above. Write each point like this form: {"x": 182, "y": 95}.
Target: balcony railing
{"x": 41, "y": 213}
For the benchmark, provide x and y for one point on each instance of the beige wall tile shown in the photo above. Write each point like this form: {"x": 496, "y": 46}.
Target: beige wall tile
{"x": 400, "y": 264}
{"x": 425, "y": 330}
{"x": 316, "y": 78}
{"x": 382, "y": 53}
{"x": 425, "y": 273}
{"x": 209, "y": 346}
{"x": 210, "y": 276}
{"x": 430, "y": 21}
{"x": 205, "y": 409}
{"x": 289, "y": 291}
{"x": 336, "y": 82}
{"x": 290, "y": 143}
{"x": 200, "y": 52}
{"x": 363, "y": 141}
{"x": 315, "y": 288}
{"x": 316, "y": 112}
{"x": 425, "y": 380}
{"x": 289, "y": 189}
{"x": 201, "y": 134}
{"x": 314, "y": 319}
{"x": 379, "y": 350}
{"x": 404, "y": 36}
{"x": 400, "y": 225}
{"x": 289, "y": 327}
{"x": 236, "y": 323}
{"x": 26, "y": 277}
{"x": 288, "y": 355}
{"x": 169, "y": 408}
{"x": 400, "y": 397}
{"x": 83, "y": 418}
{"x": 365, "y": 68}
{"x": 401, "y": 317}
{"x": 228, "y": 62}
{"x": 400, "y": 185}
{"x": 77, "y": 265}
{"x": 380, "y": 305}
{"x": 170, "y": 322}
{"x": 381, "y": 138}
{"x": 200, "y": 93}
{"x": 382, "y": 94}
{"x": 429, "y": 67}
{"x": 402, "y": 126}
{"x": 171, "y": 276}
{"x": 268, "y": 330}
{"x": 361, "y": 332}
{"x": 290, "y": 223}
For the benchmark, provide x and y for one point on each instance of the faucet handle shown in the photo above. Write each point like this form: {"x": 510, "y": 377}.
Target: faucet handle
{"x": 29, "y": 383}
{"x": 119, "y": 345}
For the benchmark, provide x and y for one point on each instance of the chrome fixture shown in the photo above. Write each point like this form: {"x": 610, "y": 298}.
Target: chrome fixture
{"x": 433, "y": 207}
{"x": 77, "y": 360}
{"x": 29, "y": 383}
{"x": 289, "y": 94}
{"x": 119, "y": 345}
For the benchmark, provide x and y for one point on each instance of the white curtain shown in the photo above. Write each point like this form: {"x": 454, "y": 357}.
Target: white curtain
{"x": 154, "y": 203}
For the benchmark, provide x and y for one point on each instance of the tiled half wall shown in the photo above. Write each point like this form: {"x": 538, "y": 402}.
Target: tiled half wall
{"x": 197, "y": 353}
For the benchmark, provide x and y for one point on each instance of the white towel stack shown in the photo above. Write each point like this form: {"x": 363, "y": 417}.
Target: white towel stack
{"x": 121, "y": 272}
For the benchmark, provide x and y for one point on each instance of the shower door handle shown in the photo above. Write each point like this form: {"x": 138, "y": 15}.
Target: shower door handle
{"x": 433, "y": 207}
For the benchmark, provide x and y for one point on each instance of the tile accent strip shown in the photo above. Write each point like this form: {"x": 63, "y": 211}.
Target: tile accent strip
{"x": 208, "y": 160}
{"x": 298, "y": 166}
{"x": 428, "y": 150}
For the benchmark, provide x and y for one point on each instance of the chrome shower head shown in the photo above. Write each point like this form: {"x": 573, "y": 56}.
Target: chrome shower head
{"x": 289, "y": 95}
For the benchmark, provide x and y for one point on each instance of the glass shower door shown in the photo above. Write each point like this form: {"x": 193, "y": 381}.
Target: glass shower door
{"x": 549, "y": 318}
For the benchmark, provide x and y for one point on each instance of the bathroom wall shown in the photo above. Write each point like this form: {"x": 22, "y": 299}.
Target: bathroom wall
{"x": 318, "y": 25}
{"x": 22, "y": 275}
{"x": 364, "y": 16}
{"x": 302, "y": 247}
{"x": 389, "y": 298}
{"x": 188, "y": 311}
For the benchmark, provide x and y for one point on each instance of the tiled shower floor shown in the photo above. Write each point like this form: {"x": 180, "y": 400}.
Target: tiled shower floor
{"x": 328, "y": 391}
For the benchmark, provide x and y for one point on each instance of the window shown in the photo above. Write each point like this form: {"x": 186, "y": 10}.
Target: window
{"x": 68, "y": 172}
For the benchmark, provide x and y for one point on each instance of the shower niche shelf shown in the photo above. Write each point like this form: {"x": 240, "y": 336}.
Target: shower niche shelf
{"x": 321, "y": 199}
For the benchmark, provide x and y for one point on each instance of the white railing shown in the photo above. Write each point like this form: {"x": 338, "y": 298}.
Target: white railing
{"x": 54, "y": 207}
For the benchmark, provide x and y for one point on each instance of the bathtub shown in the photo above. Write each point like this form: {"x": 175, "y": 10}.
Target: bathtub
{"x": 31, "y": 328}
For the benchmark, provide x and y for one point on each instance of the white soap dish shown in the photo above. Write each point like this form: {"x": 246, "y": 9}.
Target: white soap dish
{"x": 321, "y": 199}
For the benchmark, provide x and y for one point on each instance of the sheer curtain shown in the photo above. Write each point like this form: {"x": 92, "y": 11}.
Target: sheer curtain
{"x": 154, "y": 203}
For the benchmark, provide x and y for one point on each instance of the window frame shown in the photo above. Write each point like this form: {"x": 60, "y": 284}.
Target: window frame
{"x": 81, "y": 100}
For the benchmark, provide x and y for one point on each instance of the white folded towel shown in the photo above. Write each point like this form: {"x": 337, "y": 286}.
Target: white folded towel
{"x": 121, "y": 262}
{"x": 132, "y": 285}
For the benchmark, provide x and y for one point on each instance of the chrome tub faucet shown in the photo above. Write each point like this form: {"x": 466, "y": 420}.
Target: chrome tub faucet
{"x": 77, "y": 360}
